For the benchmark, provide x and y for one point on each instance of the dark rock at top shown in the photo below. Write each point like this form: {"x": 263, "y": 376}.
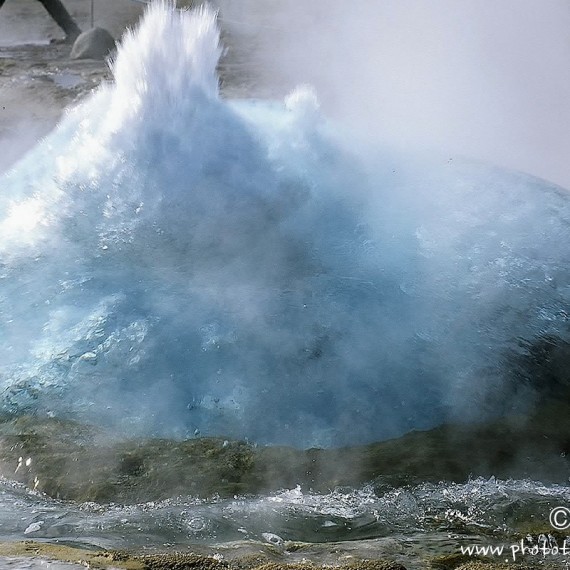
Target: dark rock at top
{"x": 96, "y": 43}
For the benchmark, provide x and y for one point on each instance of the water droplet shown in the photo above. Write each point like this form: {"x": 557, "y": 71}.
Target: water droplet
{"x": 197, "y": 524}
{"x": 34, "y": 527}
{"x": 272, "y": 538}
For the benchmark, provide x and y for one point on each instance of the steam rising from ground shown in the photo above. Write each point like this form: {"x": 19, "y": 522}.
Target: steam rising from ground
{"x": 486, "y": 80}
{"x": 174, "y": 263}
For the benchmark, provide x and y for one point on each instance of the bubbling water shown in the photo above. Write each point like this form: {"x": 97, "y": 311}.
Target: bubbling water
{"x": 174, "y": 263}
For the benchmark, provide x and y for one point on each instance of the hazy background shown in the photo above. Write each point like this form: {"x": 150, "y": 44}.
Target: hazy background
{"x": 24, "y": 21}
{"x": 481, "y": 78}
{"x": 475, "y": 77}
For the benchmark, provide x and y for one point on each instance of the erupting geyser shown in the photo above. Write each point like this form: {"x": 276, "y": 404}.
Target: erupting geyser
{"x": 175, "y": 263}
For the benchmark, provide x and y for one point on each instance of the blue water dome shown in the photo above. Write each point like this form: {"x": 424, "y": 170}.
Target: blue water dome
{"x": 173, "y": 263}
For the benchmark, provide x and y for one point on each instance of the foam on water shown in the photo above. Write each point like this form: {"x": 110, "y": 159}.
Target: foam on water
{"x": 175, "y": 263}
{"x": 477, "y": 507}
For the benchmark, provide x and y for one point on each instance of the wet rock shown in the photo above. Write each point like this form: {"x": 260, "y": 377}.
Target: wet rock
{"x": 101, "y": 558}
{"x": 178, "y": 561}
{"x": 273, "y": 539}
{"x": 452, "y": 561}
{"x": 96, "y": 43}
{"x": 538, "y": 565}
{"x": 374, "y": 565}
{"x": 68, "y": 460}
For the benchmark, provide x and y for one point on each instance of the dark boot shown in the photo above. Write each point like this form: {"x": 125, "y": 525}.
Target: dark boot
{"x": 58, "y": 12}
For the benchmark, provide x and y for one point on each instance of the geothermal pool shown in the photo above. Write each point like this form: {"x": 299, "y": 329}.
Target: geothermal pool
{"x": 177, "y": 264}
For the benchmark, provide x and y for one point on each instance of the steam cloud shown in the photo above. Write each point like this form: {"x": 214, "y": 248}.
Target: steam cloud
{"x": 486, "y": 80}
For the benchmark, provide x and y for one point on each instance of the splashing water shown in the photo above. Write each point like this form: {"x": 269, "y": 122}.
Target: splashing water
{"x": 174, "y": 263}
{"x": 478, "y": 507}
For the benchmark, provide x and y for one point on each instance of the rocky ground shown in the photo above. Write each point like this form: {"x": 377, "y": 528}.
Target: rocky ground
{"x": 37, "y": 77}
{"x": 36, "y": 84}
{"x": 36, "y": 555}
{"x": 82, "y": 463}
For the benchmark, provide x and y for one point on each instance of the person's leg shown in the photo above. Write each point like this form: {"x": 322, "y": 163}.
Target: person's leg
{"x": 58, "y": 12}
{"x": 2, "y": 2}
